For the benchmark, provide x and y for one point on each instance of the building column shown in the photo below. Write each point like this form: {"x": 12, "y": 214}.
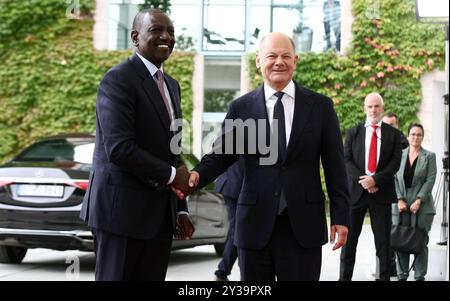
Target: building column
{"x": 197, "y": 103}
{"x": 100, "y": 31}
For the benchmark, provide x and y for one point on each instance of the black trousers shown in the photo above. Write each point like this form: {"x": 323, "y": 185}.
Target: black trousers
{"x": 283, "y": 258}
{"x": 230, "y": 251}
{"x": 380, "y": 220}
{"x": 120, "y": 258}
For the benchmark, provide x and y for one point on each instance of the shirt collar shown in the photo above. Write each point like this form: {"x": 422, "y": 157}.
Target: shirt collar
{"x": 289, "y": 90}
{"x": 150, "y": 67}
{"x": 369, "y": 123}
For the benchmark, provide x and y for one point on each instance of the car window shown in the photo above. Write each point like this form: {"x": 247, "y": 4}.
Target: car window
{"x": 59, "y": 150}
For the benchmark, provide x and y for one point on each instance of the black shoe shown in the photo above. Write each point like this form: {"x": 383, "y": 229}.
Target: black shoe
{"x": 217, "y": 278}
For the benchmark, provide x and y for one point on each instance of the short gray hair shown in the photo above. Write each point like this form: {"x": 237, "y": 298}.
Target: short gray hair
{"x": 377, "y": 95}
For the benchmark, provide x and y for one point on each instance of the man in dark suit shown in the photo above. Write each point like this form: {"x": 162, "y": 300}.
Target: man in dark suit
{"x": 129, "y": 205}
{"x": 280, "y": 217}
{"x": 229, "y": 184}
{"x": 392, "y": 119}
{"x": 372, "y": 155}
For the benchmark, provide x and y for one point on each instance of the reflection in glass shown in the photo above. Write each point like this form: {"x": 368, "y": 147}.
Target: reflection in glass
{"x": 219, "y": 31}
{"x": 332, "y": 21}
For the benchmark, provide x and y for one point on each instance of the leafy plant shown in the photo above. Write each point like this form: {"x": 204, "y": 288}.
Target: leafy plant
{"x": 50, "y": 74}
{"x": 163, "y": 5}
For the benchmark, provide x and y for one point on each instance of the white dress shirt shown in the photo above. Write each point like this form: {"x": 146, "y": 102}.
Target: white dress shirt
{"x": 288, "y": 102}
{"x": 369, "y": 131}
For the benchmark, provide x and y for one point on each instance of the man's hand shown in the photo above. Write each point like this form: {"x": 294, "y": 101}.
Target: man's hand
{"x": 184, "y": 227}
{"x": 372, "y": 189}
{"x": 415, "y": 206}
{"x": 367, "y": 182}
{"x": 342, "y": 232}
{"x": 180, "y": 184}
{"x": 194, "y": 178}
{"x": 402, "y": 206}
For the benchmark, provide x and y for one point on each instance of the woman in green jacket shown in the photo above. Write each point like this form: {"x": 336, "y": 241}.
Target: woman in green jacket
{"x": 413, "y": 183}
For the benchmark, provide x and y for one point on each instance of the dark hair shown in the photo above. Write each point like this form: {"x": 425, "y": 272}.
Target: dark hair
{"x": 416, "y": 125}
{"x": 391, "y": 114}
{"x": 140, "y": 15}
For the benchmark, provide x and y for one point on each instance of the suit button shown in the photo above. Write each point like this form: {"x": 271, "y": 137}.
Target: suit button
{"x": 276, "y": 194}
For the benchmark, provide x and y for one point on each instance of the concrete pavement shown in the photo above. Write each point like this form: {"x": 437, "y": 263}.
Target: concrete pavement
{"x": 365, "y": 264}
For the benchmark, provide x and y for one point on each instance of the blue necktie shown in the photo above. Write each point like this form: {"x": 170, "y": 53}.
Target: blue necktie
{"x": 278, "y": 113}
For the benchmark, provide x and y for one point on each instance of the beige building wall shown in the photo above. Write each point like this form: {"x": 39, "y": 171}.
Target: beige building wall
{"x": 101, "y": 24}
{"x": 197, "y": 99}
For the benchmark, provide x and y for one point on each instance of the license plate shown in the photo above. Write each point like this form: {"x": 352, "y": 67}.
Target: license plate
{"x": 53, "y": 191}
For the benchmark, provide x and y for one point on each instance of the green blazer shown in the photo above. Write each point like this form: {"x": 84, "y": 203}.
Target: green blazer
{"x": 422, "y": 184}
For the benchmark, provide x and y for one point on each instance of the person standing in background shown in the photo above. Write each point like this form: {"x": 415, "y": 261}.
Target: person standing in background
{"x": 372, "y": 153}
{"x": 414, "y": 182}
{"x": 392, "y": 119}
{"x": 332, "y": 21}
{"x": 229, "y": 184}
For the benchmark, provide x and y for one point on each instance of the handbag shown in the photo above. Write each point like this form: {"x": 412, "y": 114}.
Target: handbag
{"x": 407, "y": 239}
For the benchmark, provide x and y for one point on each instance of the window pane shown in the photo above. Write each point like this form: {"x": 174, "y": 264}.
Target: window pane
{"x": 220, "y": 31}
{"x": 185, "y": 15}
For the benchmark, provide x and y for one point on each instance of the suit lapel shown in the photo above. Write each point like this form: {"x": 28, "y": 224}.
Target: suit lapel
{"x": 152, "y": 91}
{"x": 261, "y": 113}
{"x": 361, "y": 144}
{"x": 401, "y": 170}
{"x": 302, "y": 110}
{"x": 174, "y": 97}
{"x": 155, "y": 98}
{"x": 384, "y": 143}
{"x": 419, "y": 165}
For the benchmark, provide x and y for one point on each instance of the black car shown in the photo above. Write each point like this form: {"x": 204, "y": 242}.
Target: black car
{"x": 42, "y": 188}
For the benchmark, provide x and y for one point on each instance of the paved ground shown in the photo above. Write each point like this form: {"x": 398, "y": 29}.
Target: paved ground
{"x": 198, "y": 264}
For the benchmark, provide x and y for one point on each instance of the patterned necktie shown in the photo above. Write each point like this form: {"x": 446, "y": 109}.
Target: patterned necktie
{"x": 372, "y": 164}
{"x": 159, "y": 78}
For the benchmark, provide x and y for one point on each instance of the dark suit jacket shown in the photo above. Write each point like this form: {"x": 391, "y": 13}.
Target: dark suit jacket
{"x": 315, "y": 136}
{"x": 230, "y": 182}
{"x": 388, "y": 162}
{"x": 128, "y": 191}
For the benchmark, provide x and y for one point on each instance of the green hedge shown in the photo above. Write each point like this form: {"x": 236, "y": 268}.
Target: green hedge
{"x": 50, "y": 72}
{"x": 388, "y": 55}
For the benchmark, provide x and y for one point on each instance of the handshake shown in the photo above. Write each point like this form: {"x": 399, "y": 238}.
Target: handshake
{"x": 184, "y": 182}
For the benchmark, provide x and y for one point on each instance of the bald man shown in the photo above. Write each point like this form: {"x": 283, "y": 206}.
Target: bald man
{"x": 280, "y": 218}
{"x": 372, "y": 155}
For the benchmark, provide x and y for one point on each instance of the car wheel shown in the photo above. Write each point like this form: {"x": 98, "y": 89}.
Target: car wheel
{"x": 219, "y": 249}
{"x": 12, "y": 254}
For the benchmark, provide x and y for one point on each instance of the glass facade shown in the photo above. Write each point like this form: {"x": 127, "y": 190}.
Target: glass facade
{"x": 218, "y": 27}
{"x": 224, "y": 25}
{"x": 223, "y": 30}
